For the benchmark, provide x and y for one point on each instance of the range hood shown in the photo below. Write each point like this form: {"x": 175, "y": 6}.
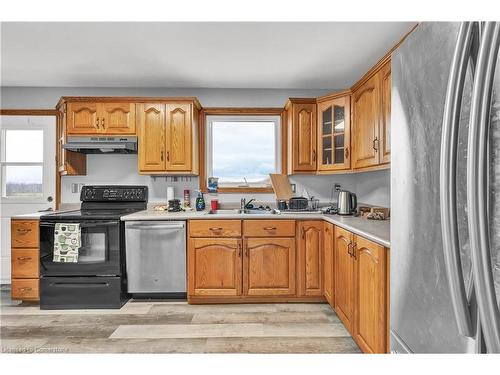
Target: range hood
{"x": 102, "y": 145}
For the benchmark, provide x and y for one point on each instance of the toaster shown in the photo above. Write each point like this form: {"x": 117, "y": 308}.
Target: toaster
{"x": 298, "y": 204}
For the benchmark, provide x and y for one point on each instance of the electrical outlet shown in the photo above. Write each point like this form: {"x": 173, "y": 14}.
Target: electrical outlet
{"x": 294, "y": 188}
{"x": 336, "y": 187}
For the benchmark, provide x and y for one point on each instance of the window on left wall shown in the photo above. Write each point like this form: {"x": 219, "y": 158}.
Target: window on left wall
{"x": 22, "y": 168}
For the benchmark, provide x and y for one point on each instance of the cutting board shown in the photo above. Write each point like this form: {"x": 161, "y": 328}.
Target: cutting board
{"x": 281, "y": 186}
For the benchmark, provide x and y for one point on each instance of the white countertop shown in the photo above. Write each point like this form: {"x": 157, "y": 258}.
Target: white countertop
{"x": 375, "y": 230}
{"x": 36, "y": 215}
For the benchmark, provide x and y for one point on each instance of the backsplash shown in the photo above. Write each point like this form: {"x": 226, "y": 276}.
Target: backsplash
{"x": 371, "y": 187}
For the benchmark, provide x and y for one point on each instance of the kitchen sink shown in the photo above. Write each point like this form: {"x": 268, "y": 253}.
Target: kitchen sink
{"x": 242, "y": 212}
{"x": 224, "y": 212}
{"x": 261, "y": 212}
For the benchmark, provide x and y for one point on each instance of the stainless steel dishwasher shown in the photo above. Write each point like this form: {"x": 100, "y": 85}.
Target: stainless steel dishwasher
{"x": 156, "y": 258}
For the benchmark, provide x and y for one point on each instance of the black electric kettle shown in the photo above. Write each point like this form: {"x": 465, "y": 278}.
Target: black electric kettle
{"x": 347, "y": 202}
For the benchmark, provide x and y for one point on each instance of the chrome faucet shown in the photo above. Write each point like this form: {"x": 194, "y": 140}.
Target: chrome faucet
{"x": 244, "y": 204}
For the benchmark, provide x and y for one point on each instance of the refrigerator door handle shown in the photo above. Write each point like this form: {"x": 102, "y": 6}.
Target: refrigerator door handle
{"x": 477, "y": 188}
{"x": 447, "y": 178}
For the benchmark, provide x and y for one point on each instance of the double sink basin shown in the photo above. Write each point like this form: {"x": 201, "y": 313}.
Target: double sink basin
{"x": 243, "y": 212}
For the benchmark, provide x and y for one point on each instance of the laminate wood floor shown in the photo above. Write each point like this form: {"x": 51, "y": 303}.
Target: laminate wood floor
{"x": 173, "y": 327}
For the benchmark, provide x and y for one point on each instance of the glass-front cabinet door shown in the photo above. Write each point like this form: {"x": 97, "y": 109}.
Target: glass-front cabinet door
{"x": 334, "y": 134}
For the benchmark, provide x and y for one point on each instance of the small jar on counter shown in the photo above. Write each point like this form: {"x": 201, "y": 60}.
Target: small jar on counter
{"x": 187, "y": 198}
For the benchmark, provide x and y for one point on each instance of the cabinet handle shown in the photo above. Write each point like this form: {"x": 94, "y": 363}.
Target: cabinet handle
{"x": 269, "y": 228}
{"x": 239, "y": 250}
{"x": 25, "y": 289}
{"x": 349, "y": 249}
{"x": 97, "y": 122}
{"x": 23, "y": 230}
{"x": 161, "y": 155}
{"x": 23, "y": 258}
{"x": 303, "y": 233}
{"x": 168, "y": 155}
{"x": 102, "y": 122}
{"x": 314, "y": 155}
{"x": 246, "y": 251}
{"x": 346, "y": 152}
{"x": 375, "y": 144}
{"x": 354, "y": 251}
{"x": 216, "y": 228}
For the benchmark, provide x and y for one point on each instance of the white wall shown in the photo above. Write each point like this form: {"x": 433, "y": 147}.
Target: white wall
{"x": 47, "y": 97}
{"x": 371, "y": 187}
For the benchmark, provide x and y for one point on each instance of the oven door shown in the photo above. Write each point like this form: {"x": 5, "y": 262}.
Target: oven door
{"x": 99, "y": 254}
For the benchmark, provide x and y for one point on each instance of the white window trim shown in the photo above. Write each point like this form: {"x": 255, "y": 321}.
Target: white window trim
{"x": 242, "y": 118}
{"x": 3, "y": 164}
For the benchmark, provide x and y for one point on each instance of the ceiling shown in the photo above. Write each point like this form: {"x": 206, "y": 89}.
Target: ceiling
{"x": 175, "y": 54}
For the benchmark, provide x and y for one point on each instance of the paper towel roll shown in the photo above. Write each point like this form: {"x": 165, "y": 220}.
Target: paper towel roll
{"x": 170, "y": 193}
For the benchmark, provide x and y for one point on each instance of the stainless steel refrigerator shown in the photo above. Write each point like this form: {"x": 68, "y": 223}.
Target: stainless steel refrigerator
{"x": 445, "y": 190}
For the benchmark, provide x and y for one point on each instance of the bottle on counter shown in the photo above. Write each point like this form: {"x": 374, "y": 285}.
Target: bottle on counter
{"x": 187, "y": 198}
{"x": 200, "y": 201}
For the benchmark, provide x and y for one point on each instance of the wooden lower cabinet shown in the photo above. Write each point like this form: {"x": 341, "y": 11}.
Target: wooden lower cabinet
{"x": 361, "y": 290}
{"x": 215, "y": 266}
{"x": 310, "y": 258}
{"x": 269, "y": 267}
{"x": 328, "y": 264}
{"x": 344, "y": 277}
{"x": 252, "y": 261}
{"x": 25, "y": 289}
{"x": 370, "y": 324}
{"x": 25, "y": 259}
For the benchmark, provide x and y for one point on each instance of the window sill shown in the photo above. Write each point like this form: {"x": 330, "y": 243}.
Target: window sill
{"x": 242, "y": 190}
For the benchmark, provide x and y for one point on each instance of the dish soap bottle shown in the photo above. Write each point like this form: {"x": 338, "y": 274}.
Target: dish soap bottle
{"x": 200, "y": 201}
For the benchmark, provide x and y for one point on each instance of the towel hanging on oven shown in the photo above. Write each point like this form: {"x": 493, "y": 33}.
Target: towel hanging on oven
{"x": 67, "y": 241}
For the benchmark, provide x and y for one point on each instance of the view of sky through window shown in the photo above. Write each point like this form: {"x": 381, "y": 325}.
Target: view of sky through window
{"x": 243, "y": 149}
{"x": 23, "y": 169}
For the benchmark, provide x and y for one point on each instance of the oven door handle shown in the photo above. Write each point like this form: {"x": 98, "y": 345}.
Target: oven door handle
{"x": 83, "y": 224}
{"x": 86, "y": 285}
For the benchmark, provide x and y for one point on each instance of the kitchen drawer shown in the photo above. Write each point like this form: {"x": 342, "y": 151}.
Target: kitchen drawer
{"x": 25, "y": 289}
{"x": 24, "y": 233}
{"x": 25, "y": 263}
{"x": 215, "y": 228}
{"x": 269, "y": 228}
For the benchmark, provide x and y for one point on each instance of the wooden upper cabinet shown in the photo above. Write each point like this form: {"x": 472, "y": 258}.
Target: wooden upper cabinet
{"x": 68, "y": 162}
{"x": 100, "y": 118}
{"x": 302, "y": 135}
{"x": 370, "y": 324}
{"x": 269, "y": 267}
{"x": 366, "y": 107}
{"x": 334, "y": 129}
{"x": 344, "y": 277}
{"x": 385, "y": 115}
{"x": 214, "y": 267}
{"x": 151, "y": 136}
{"x": 310, "y": 258}
{"x": 178, "y": 137}
{"x": 117, "y": 118}
{"x": 82, "y": 118}
{"x": 328, "y": 265}
{"x": 168, "y": 137}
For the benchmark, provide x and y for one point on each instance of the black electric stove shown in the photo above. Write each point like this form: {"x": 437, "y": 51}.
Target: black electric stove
{"x": 98, "y": 278}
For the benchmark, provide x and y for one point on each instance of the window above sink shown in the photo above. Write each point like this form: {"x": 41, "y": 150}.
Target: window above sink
{"x": 241, "y": 151}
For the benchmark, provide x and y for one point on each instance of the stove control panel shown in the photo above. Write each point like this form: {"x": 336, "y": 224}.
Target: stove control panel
{"x": 114, "y": 193}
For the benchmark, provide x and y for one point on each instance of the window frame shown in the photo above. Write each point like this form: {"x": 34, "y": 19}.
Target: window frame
{"x": 3, "y": 164}
{"x": 208, "y": 115}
